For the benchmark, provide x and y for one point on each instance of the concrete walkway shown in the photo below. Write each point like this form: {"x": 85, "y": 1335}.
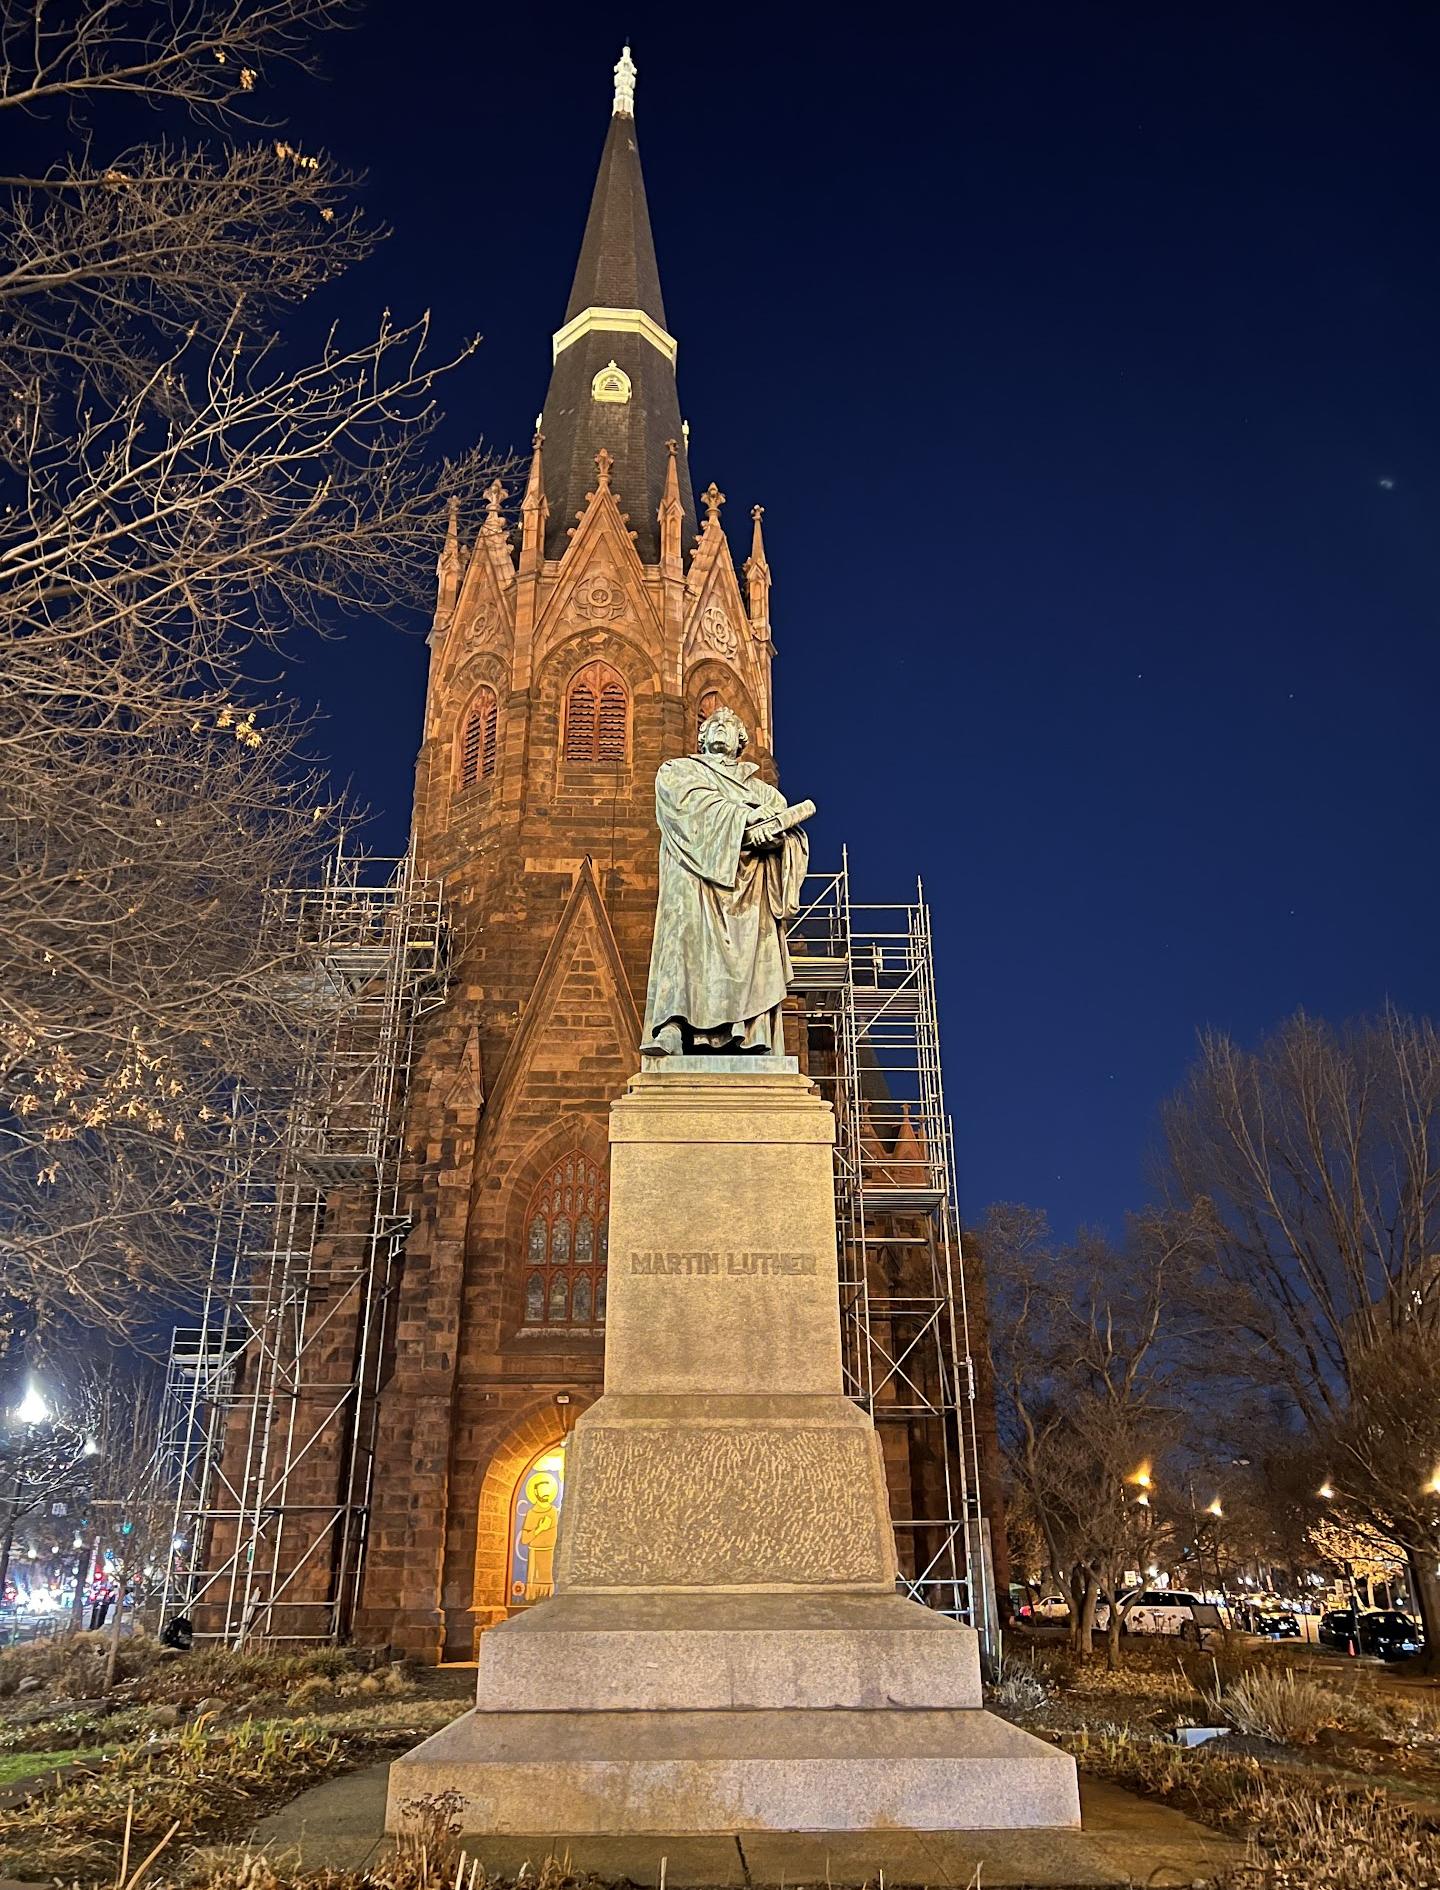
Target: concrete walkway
{"x": 1126, "y": 1840}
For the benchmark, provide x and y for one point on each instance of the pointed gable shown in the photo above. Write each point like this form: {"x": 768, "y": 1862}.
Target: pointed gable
{"x": 717, "y": 624}
{"x": 581, "y": 1015}
{"x": 601, "y": 584}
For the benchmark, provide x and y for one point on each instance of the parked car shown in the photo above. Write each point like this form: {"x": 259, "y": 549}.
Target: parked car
{"x": 1384, "y": 1633}
{"x": 1280, "y": 1624}
{"x": 1056, "y": 1609}
{"x": 1163, "y": 1611}
{"x": 1268, "y": 1618}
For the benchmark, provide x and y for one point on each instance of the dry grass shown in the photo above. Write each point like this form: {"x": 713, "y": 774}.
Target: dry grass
{"x": 73, "y": 1669}
{"x": 213, "y": 1779}
{"x": 1303, "y": 1831}
{"x": 1284, "y": 1707}
{"x": 1348, "y": 1841}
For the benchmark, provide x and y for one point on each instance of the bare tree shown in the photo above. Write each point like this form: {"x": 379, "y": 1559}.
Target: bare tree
{"x": 182, "y": 491}
{"x": 1084, "y": 1368}
{"x": 1310, "y": 1170}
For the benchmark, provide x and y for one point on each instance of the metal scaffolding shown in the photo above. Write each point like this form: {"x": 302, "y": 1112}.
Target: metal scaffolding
{"x": 866, "y": 977}
{"x": 269, "y": 1429}
{"x": 271, "y": 1395}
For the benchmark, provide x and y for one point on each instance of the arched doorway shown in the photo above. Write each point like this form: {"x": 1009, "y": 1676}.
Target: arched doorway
{"x": 534, "y": 1526}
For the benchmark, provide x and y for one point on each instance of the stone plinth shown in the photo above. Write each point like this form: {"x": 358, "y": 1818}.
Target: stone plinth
{"x": 725, "y": 1650}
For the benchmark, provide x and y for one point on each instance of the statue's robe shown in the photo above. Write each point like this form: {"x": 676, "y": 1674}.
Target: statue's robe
{"x": 720, "y": 964}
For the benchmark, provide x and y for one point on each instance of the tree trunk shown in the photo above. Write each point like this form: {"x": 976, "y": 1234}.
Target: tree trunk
{"x": 82, "y": 1581}
{"x": 1085, "y": 1620}
{"x": 1112, "y": 1630}
{"x": 112, "y": 1658}
{"x": 1425, "y": 1586}
{"x": 7, "y": 1543}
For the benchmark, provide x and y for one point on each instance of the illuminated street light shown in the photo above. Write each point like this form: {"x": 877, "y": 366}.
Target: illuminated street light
{"x": 1326, "y": 1490}
{"x": 1432, "y": 1488}
{"x": 1141, "y": 1476}
{"x": 1213, "y": 1508}
{"x": 32, "y": 1408}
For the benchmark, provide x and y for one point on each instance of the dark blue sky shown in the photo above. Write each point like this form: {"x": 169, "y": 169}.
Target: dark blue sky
{"x": 1084, "y": 358}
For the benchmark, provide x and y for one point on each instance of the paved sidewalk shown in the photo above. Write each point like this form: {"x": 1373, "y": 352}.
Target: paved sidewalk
{"x": 1125, "y": 1840}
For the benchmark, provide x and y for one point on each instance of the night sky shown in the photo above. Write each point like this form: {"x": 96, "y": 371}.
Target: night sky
{"x": 1084, "y": 359}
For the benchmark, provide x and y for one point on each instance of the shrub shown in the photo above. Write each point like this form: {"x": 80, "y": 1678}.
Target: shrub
{"x": 1226, "y": 1658}
{"x": 1281, "y": 1706}
{"x": 1056, "y": 1664}
{"x": 1020, "y": 1690}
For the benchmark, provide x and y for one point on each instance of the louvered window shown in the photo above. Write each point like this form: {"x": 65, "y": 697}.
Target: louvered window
{"x": 597, "y": 716}
{"x": 567, "y": 1237}
{"x": 708, "y": 704}
{"x": 478, "y": 741}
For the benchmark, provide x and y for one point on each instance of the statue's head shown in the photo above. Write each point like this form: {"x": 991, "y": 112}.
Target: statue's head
{"x": 723, "y": 733}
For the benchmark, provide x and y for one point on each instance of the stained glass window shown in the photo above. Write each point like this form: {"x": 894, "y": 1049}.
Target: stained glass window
{"x": 566, "y": 1243}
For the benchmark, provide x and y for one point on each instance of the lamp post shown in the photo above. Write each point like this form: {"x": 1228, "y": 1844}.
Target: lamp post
{"x": 41, "y": 1451}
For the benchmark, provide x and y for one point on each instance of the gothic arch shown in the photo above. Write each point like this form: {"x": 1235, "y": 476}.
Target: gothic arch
{"x": 477, "y": 739}
{"x": 543, "y": 1425}
{"x": 597, "y": 716}
{"x": 577, "y": 1134}
{"x": 635, "y": 666}
{"x": 718, "y": 680}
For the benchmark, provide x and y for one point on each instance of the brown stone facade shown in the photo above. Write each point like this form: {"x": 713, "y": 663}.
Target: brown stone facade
{"x": 550, "y": 863}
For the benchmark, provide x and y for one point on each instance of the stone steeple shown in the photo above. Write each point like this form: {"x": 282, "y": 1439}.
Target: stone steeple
{"x": 613, "y": 381}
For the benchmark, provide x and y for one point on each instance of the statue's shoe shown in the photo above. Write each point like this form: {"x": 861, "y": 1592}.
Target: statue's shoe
{"x": 666, "y": 1042}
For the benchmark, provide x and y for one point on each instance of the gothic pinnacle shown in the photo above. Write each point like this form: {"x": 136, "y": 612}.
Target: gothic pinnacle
{"x": 624, "y": 106}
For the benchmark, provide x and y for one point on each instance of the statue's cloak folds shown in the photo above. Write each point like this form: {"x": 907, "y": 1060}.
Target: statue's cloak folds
{"x": 720, "y": 962}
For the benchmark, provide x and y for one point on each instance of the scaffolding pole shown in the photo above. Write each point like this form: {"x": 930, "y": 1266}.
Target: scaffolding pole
{"x": 268, "y": 1436}
{"x": 865, "y": 976}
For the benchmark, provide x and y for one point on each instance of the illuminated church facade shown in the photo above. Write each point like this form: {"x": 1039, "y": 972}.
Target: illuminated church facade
{"x": 568, "y": 659}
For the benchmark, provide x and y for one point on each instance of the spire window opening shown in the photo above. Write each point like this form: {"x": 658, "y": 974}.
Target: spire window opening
{"x": 567, "y": 1239}
{"x": 705, "y": 708}
{"x": 597, "y": 716}
{"x": 479, "y": 739}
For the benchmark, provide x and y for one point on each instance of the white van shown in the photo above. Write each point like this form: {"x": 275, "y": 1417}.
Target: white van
{"x": 1161, "y": 1611}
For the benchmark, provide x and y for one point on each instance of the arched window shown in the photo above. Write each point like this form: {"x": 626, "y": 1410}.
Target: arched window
{"x": 478, "y": 739}
{"x": 567, "y": 1244}
{"x": 597, "y": 715}
{"x": 705, "y": 708}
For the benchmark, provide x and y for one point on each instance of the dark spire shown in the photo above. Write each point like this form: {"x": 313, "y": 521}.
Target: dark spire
{"x": 613, "y": 382}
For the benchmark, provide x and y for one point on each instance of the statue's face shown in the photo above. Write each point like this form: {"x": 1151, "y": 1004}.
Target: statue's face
{"x": 721, "y": 736}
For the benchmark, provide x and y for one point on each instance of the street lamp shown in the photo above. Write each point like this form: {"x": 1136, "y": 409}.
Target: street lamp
{"x": 1327, "y": 1490}
{"x": 32, "y": 1408}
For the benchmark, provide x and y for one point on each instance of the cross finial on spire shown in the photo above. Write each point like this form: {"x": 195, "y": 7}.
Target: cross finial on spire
{"x": 712, "y": 498}
{"x": 624, "y": 106}
{"x": 603, "y": 462}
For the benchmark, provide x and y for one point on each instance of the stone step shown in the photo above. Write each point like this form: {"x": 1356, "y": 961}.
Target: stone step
{"x": 588, "y": 1653}
{"x": 723, "y": 1771}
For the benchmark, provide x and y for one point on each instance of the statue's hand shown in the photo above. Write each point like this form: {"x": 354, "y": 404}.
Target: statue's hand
{"x": 761, "y": 835}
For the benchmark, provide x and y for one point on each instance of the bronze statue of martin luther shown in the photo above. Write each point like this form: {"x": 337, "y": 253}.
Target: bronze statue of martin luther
{"x": 732, "y": 858}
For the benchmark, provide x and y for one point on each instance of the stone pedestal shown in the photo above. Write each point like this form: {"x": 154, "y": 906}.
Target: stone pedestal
{"x": 725, "y": 1650}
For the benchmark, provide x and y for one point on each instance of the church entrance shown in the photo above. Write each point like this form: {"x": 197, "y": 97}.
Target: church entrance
{"x": 534, "y": 1526}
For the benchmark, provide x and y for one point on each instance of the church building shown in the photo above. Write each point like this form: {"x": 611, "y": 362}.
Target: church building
{"x": 568, "y": 659}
